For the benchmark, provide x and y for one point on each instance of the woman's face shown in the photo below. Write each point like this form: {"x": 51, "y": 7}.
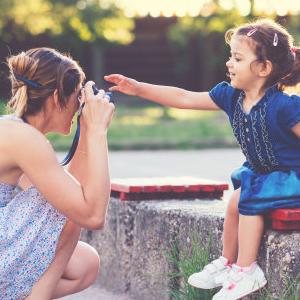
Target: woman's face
{"x": 68, "y": 112}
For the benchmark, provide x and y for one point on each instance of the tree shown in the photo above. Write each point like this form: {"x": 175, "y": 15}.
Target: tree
{"x": 84, "y": 20}
{"x": 83, "y": 28}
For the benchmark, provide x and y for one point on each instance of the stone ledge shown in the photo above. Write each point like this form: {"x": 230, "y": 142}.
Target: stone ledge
{"x": 137, "y": 237}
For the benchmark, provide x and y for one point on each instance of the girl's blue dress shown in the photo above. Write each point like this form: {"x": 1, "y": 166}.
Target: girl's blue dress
{"x": 270, "y": 177}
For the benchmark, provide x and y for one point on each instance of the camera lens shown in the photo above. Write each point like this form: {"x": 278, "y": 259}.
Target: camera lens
{"x": 96, "y": 91}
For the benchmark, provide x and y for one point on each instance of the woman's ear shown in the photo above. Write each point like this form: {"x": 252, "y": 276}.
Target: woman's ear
{"x": 55, "y": 99}
{"x": 265, "y": 69}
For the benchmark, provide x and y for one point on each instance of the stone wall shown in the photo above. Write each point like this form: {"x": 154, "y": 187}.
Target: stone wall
{"x": 136, "y": 240}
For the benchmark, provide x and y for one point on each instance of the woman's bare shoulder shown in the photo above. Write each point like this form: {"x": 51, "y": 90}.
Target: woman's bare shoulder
{"x": 17, "y": 137}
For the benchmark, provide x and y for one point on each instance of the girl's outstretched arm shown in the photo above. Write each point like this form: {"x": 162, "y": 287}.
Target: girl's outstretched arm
{"x": 166, "y": 95}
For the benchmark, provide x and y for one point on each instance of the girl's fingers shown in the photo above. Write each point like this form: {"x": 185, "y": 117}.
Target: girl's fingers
{"x": 115, "y": 78}
{"x": 114, "y": 88}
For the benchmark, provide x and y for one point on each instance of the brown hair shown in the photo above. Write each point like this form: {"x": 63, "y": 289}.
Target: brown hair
{"x": 263, "y": 34}
{"x": 47, "y": 68}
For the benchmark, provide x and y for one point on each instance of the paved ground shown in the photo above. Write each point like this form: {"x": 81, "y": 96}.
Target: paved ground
{"x": 95, "y": 293}
{"x": 214, "y": 164}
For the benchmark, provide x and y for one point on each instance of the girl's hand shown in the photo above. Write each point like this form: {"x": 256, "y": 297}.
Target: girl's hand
{"x": 98, "y": 111}
{"x": 123, "y": 84}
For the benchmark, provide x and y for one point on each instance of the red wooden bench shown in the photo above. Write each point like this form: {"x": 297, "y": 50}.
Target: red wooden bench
{"x": 284, "y": 219}
{"x": 137, "y": 189}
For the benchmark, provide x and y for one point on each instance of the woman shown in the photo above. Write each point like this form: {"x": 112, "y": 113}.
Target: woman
{"x": 40, "y": 256}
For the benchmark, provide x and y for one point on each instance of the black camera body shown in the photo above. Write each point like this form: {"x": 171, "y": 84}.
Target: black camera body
{"x": 77, "y": 133}
{"x": 109, "y": 94}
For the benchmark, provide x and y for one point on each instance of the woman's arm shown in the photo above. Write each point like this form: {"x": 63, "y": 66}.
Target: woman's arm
{"x": 77, "y": 165}
{"x": 166, "y": 95}
{"x": 85, "y": 202}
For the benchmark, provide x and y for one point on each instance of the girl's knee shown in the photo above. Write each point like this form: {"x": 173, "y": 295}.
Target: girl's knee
{"x": 232, "y": 206}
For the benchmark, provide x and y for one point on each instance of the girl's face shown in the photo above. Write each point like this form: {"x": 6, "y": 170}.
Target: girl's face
{"x": 241, "y": 72}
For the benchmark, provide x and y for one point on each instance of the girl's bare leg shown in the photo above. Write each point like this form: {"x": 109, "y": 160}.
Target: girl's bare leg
{"x": 250, "y": 233}
{"x": 61, "y": 278}
{"x": 230, "y": 229}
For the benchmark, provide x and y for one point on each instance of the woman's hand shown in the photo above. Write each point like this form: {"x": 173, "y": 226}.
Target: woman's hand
{"x": 123, "y": 84}
{"x": 98, "y": 111}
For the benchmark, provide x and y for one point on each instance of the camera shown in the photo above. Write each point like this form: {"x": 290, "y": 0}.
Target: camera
{"x": 71, "y": 153}
{"x": 96, "y": 91}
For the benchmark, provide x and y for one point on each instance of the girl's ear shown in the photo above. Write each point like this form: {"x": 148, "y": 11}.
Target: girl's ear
{"x": 265, "y": 69}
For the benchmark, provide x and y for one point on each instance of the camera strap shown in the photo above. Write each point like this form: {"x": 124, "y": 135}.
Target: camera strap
{"x": 73, "y": 148}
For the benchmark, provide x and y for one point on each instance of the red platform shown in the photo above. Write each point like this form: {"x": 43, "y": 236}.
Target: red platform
{"x": 157, "y": 188}
{"x": 285, "y": 219}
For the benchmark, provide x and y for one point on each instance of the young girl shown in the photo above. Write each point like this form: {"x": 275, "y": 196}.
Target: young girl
{"x": 40, "y": 256}
{"x": 265, "y": 122}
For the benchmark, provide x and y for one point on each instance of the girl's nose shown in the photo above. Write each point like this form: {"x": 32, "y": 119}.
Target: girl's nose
{"x": 229, "y": 63}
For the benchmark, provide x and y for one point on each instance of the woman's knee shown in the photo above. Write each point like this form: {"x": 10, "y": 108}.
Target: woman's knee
{"x": 87, "y": 262}
{"x": 92, "y": 260}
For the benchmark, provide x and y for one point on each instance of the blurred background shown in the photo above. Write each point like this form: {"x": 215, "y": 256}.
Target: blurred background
{"x": 170, "y": 42}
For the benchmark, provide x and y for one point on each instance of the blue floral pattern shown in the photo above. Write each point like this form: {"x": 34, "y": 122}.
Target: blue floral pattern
{"x": 29, "y": 232}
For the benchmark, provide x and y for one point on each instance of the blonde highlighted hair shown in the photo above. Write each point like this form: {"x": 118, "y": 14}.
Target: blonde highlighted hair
{"x": 49, "y": 69}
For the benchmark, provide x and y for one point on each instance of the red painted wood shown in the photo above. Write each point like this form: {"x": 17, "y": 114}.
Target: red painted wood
{"x": 167, "y": 188}
{"x": 194, "y": 188}
{"x": 125, "y": 188}
{"x": 178, "y": 189}
{"x": 285, "y": 219}
{"x": 285, "y": 214}
{"x": 285, "y": 225}
{"x": 149, "y": 189}
{"x": 208, "y": 188}
{"x": 164, "y": 188}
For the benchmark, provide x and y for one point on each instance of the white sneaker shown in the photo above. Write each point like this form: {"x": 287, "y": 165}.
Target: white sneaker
{"x": 212, "y": 276}
{"x": 241, "y": 283}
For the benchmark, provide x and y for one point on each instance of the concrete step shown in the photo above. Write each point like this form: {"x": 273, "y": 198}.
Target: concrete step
{"x": 96, "y": 293}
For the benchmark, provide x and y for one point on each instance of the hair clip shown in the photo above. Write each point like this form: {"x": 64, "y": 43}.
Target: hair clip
{"x": 36, "y": 85}
{"x": 295, "y": 49}
{"x": 251, "y": 31}
{"x": 275, "y": 40}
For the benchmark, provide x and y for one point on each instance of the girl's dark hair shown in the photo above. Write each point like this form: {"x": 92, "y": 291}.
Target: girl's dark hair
{"x": 272, "y": 42}
{"x": 49, "y": 69}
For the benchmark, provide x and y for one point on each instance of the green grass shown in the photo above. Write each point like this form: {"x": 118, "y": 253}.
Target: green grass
{"x": 139, "y": 127}
{"x": 186, "y": 259}
{"x": 157, "y": 127}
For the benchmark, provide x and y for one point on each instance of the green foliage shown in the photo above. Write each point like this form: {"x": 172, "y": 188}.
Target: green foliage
{"x": 2, "y": 107}
{"x": 290, "y": 292}
{"x": 187, "y": 259}
{"x": 204, "y": 35}
{"x": 85, "y": 21}
{"x": 156, "y": 127}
